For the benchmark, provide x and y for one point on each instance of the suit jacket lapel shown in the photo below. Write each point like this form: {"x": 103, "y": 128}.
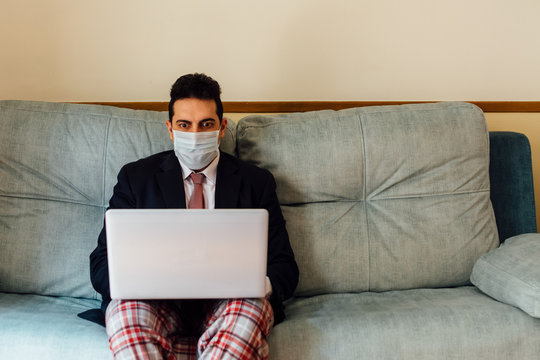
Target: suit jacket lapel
{"x": 228, "y": 183}
{"x": 171, "y": 183}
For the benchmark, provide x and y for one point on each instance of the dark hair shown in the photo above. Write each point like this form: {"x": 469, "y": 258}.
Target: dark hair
{"x": 198, "y": 86}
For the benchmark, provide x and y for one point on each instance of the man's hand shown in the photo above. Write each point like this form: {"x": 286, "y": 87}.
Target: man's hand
{"x": 268, "y": 288}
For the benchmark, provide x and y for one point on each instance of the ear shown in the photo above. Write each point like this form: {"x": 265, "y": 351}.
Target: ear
{"x": 222, "y": 129}
{"x": 169, "y": 127}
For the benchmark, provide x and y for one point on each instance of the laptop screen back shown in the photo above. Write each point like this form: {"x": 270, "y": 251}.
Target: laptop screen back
{"x": 186, "y": 254}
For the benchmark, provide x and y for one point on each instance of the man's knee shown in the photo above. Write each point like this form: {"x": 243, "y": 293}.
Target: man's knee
{"x": 122, "y": 313}
{"x": 258, "y": 311}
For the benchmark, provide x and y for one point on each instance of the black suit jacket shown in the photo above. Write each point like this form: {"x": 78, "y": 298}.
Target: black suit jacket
{"x": 156, "y": 182}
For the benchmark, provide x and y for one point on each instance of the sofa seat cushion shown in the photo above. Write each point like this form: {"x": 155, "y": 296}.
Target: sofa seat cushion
{"x": 455, "y": 323}
{"x": 43, "y": 327}
{"x": 511, "y": 273}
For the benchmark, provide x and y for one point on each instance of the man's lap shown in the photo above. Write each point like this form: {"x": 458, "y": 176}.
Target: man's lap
{"x": 189, "y": 318}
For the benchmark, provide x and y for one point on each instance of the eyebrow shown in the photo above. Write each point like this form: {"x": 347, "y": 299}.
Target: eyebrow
{"x": 189, "y": 121}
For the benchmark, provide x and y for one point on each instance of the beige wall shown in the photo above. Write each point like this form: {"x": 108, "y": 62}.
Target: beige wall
{"x": 120, "y": 50}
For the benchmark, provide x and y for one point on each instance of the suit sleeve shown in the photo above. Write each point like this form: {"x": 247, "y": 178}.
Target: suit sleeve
{"x": 282, "y": 267}
{"x": 99, "y": 269}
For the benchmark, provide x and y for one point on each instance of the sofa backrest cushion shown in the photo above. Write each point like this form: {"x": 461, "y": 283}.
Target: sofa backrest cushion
{"x": 58, "y": 166}
{"x": 379, "y": 198}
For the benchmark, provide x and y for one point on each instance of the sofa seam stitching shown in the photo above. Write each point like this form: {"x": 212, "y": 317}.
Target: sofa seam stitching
{"x": 480, "y": 191}
{"x": 418, "y": 196}
{"x": 104, "y": 184}
{"x": 105, "y": 156}
{"x": 364, "y": 200}
{"x": 48, "y": 199}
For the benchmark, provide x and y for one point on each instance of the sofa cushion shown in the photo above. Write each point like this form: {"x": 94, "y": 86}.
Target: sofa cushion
{"x": 47, "y": 328}
{"x": 58, "y": 167}
{"x": 511, "y": 273}
{"x": 379, "y": 198}
{"x": 459, "y": 323}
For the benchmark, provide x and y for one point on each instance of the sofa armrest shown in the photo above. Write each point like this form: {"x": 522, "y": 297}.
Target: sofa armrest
{"x": 511, "y": 178}
{"x": 511, "y": 273}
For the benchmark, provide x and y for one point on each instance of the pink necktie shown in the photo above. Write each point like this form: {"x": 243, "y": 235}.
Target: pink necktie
{"x": 197, "y": 199}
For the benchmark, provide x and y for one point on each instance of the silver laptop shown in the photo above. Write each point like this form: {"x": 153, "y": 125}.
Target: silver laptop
{"x": 187, "y": 254}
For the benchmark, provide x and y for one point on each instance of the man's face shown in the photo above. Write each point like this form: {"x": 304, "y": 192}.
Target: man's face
{"x": 195, "y": 115}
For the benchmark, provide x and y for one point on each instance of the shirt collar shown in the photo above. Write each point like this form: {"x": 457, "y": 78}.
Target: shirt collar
{"x": 210, "y": 172}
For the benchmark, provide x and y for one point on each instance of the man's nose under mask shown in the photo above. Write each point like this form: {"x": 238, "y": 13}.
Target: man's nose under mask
{"x": 196, "y": 149}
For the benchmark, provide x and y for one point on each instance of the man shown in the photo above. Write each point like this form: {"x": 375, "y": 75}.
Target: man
{"x": 195, "y": 175}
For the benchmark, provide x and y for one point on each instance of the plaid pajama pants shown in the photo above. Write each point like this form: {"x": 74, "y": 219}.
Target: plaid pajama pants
{"x": 232, "y": 329}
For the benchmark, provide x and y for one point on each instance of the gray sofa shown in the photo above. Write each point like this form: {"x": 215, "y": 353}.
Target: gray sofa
{"x": 388, "y": 210}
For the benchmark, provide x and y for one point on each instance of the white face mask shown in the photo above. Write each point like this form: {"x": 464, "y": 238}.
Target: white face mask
{"x": 196, "y": 149}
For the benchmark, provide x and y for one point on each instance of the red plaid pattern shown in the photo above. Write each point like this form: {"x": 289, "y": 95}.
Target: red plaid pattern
{"x": 235, "y": 329}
